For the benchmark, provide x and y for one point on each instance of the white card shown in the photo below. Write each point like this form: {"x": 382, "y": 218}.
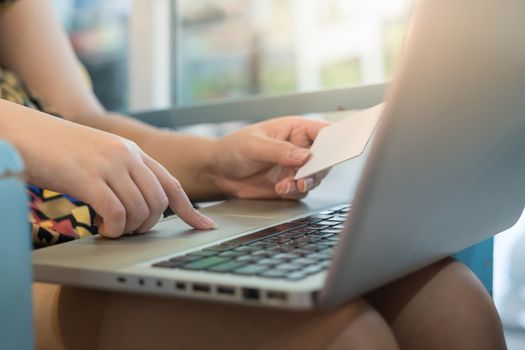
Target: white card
{"x": 341, "y": 141}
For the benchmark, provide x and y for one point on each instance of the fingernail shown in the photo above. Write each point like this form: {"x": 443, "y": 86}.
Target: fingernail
{"x": 289, "y": 188}
{"x": 299, "y": 154}
{"x": 308, "y": 184}
{"x": 281, "y": 189}
{"x": 207, "y": 221}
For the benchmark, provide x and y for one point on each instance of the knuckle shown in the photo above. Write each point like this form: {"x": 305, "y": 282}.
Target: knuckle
{"x": 176, "y": 185}
{"x": 158, "y": 206}
{"x": 164, "y": 202}
{"x": 116, "y": 211}
{"x": 123, "y": 149}
{"x": 142, "y": 211}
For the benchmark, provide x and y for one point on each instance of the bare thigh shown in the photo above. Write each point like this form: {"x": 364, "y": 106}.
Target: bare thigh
{"x": 440, "y": 307}
{"x": 443, "y": 306}
{"x": 74, "y": 318}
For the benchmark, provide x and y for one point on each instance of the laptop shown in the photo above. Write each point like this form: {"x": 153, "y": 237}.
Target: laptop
{"x": 446, "y": 169}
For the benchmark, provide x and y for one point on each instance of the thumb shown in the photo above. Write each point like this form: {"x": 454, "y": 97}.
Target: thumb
{"x": 265, "y": 149}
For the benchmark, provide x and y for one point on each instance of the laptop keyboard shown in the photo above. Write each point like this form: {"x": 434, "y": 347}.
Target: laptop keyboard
{"x": 291, "y": 251}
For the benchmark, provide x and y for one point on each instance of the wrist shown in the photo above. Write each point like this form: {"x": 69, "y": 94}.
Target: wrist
{"x": 209, "y": 173}
{"x": 192, "y": 159}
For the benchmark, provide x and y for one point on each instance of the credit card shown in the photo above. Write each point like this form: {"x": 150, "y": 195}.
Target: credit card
{"x": 341, "y": 141}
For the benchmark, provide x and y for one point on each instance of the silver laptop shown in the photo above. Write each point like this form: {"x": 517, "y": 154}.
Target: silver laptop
{"x": 446, "y": 169}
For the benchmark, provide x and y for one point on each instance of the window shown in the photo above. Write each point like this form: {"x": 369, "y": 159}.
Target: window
{"x": 144, "y": 54}
{"x": 234, "y": 48}
{"x": 98, "y": 31}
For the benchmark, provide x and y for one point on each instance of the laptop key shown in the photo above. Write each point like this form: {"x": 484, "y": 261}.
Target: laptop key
{"x": 251, "y": 269}
{"x": 328, "y": 244}
{"x": 296, "y": 275}
{"x": 327, "y": 252}
{"x": 312, "y": 219}
{"x": 259, "y": 244}
{"x": 312, "y": 269}
{"x": 313, "y": 239}
{"x": 168, "y": 264}
{"x": 328, "y": 223}
{"x": 218, "y": 248}
{"x": 230, "y": 253}
{"x": 325, "y": 264}
{"x": 269, "y": 261}
{"x": 261, "y": 253}
{"x": 301, "y": 252}
{"x": 312, "y": 247}
{"x": 201, "y": 253}
{"x": 341, "y": 207}
{"x": 274, "y": 273}
{"x": 205, "y": 263}
{"x": 317, "y": 227}
{"x": 327, "y": 235}
{"x": 288, "y": 267}
{"x": 330, "y": 231}
{"x": 286, "y": 256}
{"x": 227, "y": 267}
{"x": 245, "y": 258}
{"x": 304, "y": 261}
{"x": 245, "y": 248}
{"x": 286, "y": 247}
{"x": 317, "y": 256}
{"x": 317, "y": 235}
{"x": 185, "y": 258}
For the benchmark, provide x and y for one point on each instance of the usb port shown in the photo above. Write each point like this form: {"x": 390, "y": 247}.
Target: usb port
{"x": 277, "y": 295}
{"x": 225, "y": 290}
{"x": 204, "y": 288}
{"x": 250, "y": 293}
{"x": 180, "y": 285}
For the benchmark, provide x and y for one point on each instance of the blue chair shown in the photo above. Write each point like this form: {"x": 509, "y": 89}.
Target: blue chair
{"x": 16, "y": 321}
{"x": 480, "y": 259}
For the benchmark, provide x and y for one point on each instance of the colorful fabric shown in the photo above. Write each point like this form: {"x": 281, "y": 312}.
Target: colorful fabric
{"x": 54, "y": 217}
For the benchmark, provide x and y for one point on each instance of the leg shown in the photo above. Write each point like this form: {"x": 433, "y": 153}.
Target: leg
{"x": 85, "y": 319}
{"x": 443, "y": 306}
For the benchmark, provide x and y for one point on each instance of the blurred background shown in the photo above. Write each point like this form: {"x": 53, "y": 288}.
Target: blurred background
{"x": 211, "y": 50}
{"x": 144, "y": 54}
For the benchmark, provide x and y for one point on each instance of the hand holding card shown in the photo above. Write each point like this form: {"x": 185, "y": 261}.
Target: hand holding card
{"x": 341, "y": 141}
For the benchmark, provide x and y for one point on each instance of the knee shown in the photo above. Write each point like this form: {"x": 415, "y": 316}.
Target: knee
{"x": 468, "y": 313}
{"x": 443, "y": 306}
{"x": 364, "y": 328}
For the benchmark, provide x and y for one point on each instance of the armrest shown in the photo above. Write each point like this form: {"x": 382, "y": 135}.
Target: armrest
{"x": 16, "y": 330}
{"x": 480, "y": 259}
{"x": 260, "y": 108}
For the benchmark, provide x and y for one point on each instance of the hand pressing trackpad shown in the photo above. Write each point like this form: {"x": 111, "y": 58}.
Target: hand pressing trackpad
{"x": 341, "y": 141}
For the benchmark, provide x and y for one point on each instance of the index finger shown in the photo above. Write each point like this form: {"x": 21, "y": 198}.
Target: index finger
{"x": 178, "y": 200}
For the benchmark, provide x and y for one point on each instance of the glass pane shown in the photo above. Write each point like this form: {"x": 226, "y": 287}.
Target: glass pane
{"x": 233, "y": 48}
{"x": 98, "y": 31}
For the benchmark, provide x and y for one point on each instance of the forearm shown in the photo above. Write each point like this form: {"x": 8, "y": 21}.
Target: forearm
{"x": 35, "y": 47}
{"x": 187, "y": 157}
